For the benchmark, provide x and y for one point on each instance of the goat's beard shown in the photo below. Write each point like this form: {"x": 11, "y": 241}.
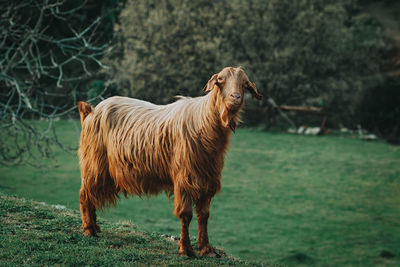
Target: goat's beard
{"x": 230, "y": 116}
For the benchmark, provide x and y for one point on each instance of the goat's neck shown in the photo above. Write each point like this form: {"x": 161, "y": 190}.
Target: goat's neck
{"x": 211, "y": 114}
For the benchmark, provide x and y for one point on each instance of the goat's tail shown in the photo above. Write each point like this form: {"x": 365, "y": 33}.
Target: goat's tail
{"x": 84, "y": 110}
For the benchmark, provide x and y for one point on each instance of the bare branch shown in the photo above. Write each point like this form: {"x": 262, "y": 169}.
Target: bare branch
{"x": 41, "y": 71}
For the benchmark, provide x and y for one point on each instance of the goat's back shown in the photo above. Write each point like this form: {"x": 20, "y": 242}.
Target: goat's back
{"x": 147, "y": 145}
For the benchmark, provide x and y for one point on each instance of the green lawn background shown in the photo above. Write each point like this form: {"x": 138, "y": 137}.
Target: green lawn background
{"x": 291, "y": 199}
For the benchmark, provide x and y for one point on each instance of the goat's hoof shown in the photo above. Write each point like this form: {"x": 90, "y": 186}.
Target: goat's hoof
{"x": 186, "y": 251}
{"x": 90, "y": 231}
{"x": 209, "y": 251}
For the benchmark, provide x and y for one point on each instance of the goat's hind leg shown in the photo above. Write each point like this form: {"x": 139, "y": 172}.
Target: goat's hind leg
{"x": 183, "y": 210}
{"x": 88, "y": 213}
{"x": 94, "y": 219}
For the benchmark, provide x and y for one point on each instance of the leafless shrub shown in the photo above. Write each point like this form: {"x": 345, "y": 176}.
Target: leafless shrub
{"x": 46, "y": 55}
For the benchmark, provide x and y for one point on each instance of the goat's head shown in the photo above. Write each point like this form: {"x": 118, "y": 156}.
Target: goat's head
{"x": 231, "y": 83}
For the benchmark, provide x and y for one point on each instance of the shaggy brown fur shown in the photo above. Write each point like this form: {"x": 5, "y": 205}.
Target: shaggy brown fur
{"x": 134, "y": 147}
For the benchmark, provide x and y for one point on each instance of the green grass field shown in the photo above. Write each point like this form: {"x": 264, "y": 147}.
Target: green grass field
{"x": 37, "y": 234}
{"x": 285, "y": 199}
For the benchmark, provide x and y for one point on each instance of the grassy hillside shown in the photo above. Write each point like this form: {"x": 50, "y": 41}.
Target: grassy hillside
{"x": 287, "y": 199}
{"x": 36, "y": 234}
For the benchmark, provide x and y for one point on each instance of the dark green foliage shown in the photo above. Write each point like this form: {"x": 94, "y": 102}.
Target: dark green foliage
{"x": 310, "y": 52}
{"x": 97, "y": 90}
{"x": 303, "y": 52}
{"x": 379, "y": 110}
{"x": 169, "y": 48}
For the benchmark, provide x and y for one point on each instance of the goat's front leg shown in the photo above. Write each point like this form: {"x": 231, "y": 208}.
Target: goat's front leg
{"x": 203, "y": 212}
{"x": 183, "y": 210}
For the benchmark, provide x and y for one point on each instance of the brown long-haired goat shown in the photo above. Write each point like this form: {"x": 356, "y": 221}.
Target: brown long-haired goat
{"x": 131, "y": 146}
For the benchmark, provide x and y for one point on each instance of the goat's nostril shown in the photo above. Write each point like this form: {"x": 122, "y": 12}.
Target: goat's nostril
{"x": 236, "y": 96}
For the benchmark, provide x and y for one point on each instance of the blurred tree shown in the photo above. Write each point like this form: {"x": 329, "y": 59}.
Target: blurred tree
{"x": 379, "y": 110}
{"x": 49, "y": 49}
{"x": 167, "y": 47}
{"x": 309, "y": 52}
{"x": 303, "y": 52}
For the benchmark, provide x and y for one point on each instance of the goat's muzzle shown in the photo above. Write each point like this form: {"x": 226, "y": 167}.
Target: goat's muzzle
{"x": 234, "y": 101}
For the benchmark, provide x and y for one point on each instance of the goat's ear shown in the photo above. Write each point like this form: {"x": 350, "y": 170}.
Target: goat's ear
{"x": 253, "y": 90}
{"x": 211, "y": 83}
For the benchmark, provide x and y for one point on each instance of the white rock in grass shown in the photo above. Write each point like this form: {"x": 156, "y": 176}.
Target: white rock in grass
{"x": 59, "y": 207}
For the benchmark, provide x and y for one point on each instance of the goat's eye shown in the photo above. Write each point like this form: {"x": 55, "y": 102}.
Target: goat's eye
{"x": 220, "y": 80}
